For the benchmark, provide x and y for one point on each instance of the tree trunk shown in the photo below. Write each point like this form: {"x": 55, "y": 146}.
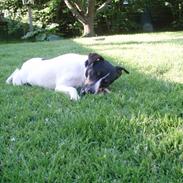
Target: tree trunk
{"x": 30, "y": 18}
{"x": 86, "y": 18}
{"x": 88, "y": 25}
{"x": 88, "y": 28}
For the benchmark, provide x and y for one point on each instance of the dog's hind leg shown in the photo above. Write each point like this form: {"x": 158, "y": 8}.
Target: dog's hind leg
{"x": 72, "y": 92}
{"x": 15, "y": 78}
{"x": 12, "y": 76}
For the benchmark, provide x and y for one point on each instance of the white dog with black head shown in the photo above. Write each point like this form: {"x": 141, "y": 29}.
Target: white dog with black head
{"x": 68, "y": 72}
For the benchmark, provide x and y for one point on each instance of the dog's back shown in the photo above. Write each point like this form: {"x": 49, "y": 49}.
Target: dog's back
{"x": 47, "y": 73}
{"x": 18, "y": 76}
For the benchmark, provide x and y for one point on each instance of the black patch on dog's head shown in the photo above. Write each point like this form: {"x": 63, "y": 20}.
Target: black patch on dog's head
{"x": 93, "y": 58}
{"x": 100, "y": 73}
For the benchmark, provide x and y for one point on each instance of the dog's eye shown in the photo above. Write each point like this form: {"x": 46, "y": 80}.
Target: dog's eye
{"x": 106, "y": 81}
{"x": 98, "y": 73}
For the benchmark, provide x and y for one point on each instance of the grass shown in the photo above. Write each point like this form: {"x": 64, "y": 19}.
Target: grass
{"x": 134, "y": 134}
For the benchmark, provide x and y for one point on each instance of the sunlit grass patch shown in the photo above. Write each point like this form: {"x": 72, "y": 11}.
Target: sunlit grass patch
{"x": 156, "y": 54}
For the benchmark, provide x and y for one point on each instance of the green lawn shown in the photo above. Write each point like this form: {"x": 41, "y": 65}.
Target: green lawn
{"x": 134, "y": 134}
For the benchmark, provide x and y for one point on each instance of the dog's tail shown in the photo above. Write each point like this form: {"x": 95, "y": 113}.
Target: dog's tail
{"x": 14, "y": 78}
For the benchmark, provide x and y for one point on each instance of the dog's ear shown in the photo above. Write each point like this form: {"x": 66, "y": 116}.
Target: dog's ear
{"x": 93, "y": 58}
{"x": 120, "y": 70}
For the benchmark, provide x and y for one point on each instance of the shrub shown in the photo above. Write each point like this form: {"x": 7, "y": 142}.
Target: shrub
{"x": 43, "y": 34}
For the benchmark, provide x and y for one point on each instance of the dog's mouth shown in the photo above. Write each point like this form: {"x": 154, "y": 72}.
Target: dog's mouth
{"x": 95, "y": 87}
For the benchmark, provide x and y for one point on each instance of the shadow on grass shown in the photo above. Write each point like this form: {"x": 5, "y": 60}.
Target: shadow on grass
{"x": 178, "y": 41}
{"x": 131, "y": 135}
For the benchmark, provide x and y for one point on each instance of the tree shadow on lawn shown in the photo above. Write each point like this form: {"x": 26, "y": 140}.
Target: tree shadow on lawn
{"x": 142, "y": 121}
{"x": 132, "y": 131}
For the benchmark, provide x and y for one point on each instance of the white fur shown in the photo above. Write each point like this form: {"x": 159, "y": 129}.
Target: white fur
{"x": 63, "y": 73}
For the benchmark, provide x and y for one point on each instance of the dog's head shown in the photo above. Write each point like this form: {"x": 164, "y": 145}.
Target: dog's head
{"x": 99, "y": 74}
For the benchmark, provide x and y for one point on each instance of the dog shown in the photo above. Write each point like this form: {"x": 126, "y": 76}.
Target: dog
{"x": 68, "y": 72}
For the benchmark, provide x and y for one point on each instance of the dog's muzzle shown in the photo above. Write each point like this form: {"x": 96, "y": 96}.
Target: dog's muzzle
{"x": 93, "y": 87}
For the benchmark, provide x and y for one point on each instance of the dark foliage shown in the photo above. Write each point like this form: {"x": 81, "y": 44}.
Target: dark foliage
{"x": 117, "y": 17}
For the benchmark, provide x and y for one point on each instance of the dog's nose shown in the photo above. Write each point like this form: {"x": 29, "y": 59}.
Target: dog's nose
{"x": 82, "y": 92}
{"x": 88, "y": 89}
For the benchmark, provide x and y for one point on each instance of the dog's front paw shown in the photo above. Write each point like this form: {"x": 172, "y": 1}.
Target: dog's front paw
{"x": 74, "y": 96}
{"x": 72, "y": 92}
